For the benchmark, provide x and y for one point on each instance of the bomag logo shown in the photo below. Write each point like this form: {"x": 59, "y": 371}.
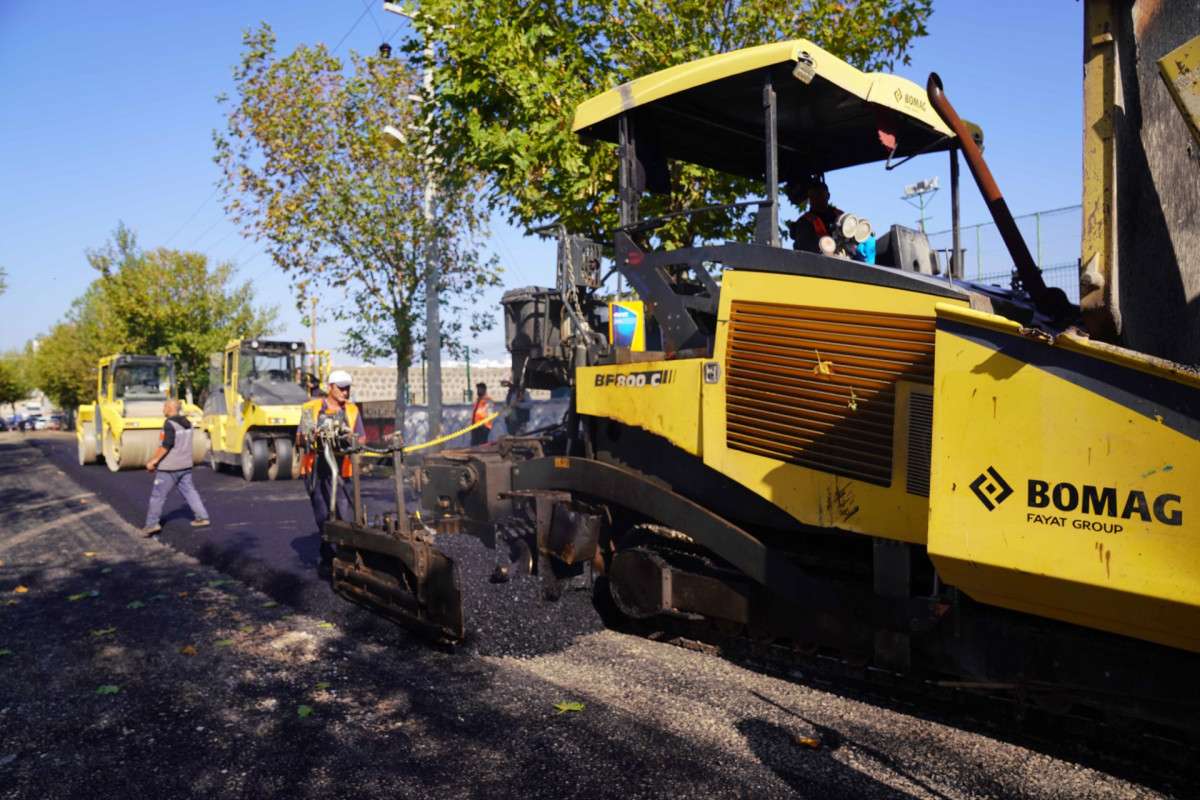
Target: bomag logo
{"x": 904, "y": 98}
{"x": 1101, "y": 501}
{"x": 1100, "y": 506}
{"x": 653, "y": 377}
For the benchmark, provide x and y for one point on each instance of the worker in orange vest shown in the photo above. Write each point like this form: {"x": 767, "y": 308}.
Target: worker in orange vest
{"x": 819, "y": 218}
{"x": 481, "y": 411}
{"x": 314, "y": 466}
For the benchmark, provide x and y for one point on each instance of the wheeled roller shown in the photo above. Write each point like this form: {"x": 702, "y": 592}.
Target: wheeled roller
{"x": 256, "y": 458}
{"x": 283, "y": 464}
{"x": 132, "y": 450}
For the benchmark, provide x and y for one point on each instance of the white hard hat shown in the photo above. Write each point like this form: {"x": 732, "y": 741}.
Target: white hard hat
{"x": 339, "y": 377}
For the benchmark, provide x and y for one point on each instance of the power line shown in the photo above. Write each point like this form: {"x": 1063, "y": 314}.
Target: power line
{"x": 366, "y": 10}
{"x": 378, "y": 27}
{"x": 193, "y": 216}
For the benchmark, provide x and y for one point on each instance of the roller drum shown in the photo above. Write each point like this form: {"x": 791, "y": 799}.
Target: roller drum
{"x": 200, "y": 446}
{"x": 133, "y": 452}
{"x": 86, "y": 441}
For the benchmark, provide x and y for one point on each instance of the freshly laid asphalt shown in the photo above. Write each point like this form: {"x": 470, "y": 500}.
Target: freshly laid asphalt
{"x": 263, "y": 532}
{"x": 128, "y": 670}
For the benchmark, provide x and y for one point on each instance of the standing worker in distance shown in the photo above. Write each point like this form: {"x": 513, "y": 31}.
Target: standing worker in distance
{"x": 335, "y": 407}
{"x": 481, "y": 411}
{"x": 173, "y": 463}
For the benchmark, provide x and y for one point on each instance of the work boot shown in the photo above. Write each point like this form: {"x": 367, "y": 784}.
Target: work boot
{"x": 150, "y": 530}
{"x": 201, "y": 523}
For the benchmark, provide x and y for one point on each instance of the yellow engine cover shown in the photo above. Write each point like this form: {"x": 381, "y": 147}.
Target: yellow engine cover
{"x": 1064, "y": 479}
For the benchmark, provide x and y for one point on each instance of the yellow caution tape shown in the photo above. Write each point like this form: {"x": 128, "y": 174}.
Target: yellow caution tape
{"x": 413, "y": 447}
{"x": 450, "y": 436}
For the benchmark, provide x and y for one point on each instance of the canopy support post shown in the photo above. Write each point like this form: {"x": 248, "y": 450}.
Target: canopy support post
{"x": 627, "y": 191}
{"x": 956, "y": 265}
{"x": 770, "y": 120}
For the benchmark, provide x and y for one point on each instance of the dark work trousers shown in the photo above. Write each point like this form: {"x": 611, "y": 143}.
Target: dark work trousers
{"x": 319, "y": 483}
{"x": 164, "y": 482}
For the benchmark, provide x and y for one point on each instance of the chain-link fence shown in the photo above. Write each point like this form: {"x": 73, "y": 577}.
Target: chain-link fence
{"x": 1053, "y": 239}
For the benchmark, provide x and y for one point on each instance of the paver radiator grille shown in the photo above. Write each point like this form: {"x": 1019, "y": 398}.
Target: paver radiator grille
{"x": 817, "y": 386}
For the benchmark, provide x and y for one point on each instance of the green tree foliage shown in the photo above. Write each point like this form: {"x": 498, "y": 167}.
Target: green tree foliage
{"x": 64, "y": 364}
{"x": 15, "y": 383}
{"x": 162, "y": 302}
{"x": 168, "y": 302}
{"x": 3, "y": 280}
{"x": 510, "y": 74}
{"x": 308, "y": 168}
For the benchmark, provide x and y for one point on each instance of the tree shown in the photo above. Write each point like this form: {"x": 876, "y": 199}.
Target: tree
{"x": 307, "y": 167}
{"x": 165, "y": 302}
{"x": 510, "y": 73}
{"x": 64, "y": 365}
{"x": 3, "y": 280}
{"x": 169, "y": 302}
{"x": 15, "y": 384}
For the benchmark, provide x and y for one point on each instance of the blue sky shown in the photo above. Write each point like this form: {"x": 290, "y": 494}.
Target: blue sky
{"x": 106, "y": 114}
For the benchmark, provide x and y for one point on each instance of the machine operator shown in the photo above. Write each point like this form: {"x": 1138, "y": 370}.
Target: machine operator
{"x": 819, "y": 218}
{"x": 334, "y": 408}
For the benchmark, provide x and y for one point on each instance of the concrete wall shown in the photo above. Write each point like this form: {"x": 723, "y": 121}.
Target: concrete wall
{"x": 379, "y": 421}
{"x": 379, "y": 383}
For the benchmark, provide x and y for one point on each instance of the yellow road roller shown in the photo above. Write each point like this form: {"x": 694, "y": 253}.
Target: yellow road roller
{"x": 253, "y": 409}
{"x": 122, "y": 425}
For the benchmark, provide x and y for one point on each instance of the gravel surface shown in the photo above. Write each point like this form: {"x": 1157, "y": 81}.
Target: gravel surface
{"x": 128, "y": 668}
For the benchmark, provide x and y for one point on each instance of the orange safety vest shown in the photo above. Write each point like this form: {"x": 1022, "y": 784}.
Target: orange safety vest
{"x": 481, "y": 410}
{"x": 309, "y": 459}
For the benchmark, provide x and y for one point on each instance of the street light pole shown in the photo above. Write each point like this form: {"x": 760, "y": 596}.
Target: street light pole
{"x": 433, "y": 325}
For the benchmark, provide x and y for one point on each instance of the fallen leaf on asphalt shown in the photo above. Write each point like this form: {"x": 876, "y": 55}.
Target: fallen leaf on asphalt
{"x": 219, "y": 583}
{"x": 82, "y": 595}
{"x": 107, "y": 688}
{"x": 322, "y": 686}
{"x": 188, "y": 574}
{"x": 106, "y": 570}
{"x": 807, "y": 741}
{"x": 21, "y": 589}
{"x": 11, "y": 602}
{"x": 157, "y": 597}
{"x": 183, "y": 594}
{"x": 136, "y": 604}
{"x": 324, "y": 624}
{"x": 569, "y": 705}
{"x": 188, "y": 650}
{"x": 98, "y": 632}
{"x": 247, "y": 629}
{"x": 223, "y": 642}
{"x": 304, "y": 711}
{"x": 270, "y": 604}
{"x": 90, "y": 554}
{"x": 4, "y": 651}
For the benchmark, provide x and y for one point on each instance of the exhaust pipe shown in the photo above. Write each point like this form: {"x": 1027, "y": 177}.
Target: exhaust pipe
{"x": 1050, "y": 301}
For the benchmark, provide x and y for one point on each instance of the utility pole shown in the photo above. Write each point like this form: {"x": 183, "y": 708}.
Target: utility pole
{"x": 433, "y": 325}
{"x": 312, "y": 347}
{"x": 918, "y": 195}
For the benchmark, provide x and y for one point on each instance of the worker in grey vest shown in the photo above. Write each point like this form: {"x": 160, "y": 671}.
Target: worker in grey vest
{"x": 172, "y": 462}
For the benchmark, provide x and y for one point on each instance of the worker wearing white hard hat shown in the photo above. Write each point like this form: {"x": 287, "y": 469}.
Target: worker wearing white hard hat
{"x": 315, "y": 468}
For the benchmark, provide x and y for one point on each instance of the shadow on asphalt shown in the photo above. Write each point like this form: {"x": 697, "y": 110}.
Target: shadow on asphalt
{"x": 226, "y": 720}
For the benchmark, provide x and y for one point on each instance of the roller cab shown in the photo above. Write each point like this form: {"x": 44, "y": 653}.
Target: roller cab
{"x": 124, "y": 424}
